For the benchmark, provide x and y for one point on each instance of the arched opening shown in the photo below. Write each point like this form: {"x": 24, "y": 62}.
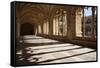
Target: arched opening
{"x": 27, "y": 29}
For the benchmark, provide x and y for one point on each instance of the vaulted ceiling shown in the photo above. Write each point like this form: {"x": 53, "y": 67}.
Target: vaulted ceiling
{"x": 37, "y": 13}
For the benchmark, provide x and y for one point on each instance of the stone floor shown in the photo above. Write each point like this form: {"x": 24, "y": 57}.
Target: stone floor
{"x": 39, "y": 50}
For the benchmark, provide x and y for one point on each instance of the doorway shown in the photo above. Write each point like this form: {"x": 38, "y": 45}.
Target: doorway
{"x": 27, "y": 29}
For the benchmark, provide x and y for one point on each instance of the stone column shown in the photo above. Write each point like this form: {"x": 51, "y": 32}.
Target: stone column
{"x": 71, "y": 23}
{"x": 35, "y": 29}
{"x": 50, "y": 26}
{"x": 42, "y": 28}
{"x": 93, "y": 22}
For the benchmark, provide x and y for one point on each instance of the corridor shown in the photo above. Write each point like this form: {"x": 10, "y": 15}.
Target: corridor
{"x": 51, "y": 33}
{"x": 39, "y": 50}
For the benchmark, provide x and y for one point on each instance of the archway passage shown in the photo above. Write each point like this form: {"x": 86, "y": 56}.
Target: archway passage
{"x": 27, "y": 29}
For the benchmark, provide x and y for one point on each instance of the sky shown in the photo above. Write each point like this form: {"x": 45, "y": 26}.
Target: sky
{"x": 88, "y": 12}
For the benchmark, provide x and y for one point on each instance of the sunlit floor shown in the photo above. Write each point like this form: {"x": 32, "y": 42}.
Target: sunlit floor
{"x": 39, "y": 50}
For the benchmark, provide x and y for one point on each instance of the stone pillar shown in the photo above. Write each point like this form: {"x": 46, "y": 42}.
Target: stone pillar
{"x": 35, "y": 29}
{"x": 42, "y": 28}
{"x": 71, "y": 23}
{"x": 93, "y": 22}
{"x": 50, "y": 26}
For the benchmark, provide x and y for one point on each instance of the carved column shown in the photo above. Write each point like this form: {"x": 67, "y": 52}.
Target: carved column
{"x": 42, "y": 28}
{"x": 93, "y": 22}
{"x": 70, "y": 23}
{"x": 50, "y": 26}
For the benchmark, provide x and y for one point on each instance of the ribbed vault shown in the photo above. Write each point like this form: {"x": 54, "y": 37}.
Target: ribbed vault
{"x": 37, "y": 13}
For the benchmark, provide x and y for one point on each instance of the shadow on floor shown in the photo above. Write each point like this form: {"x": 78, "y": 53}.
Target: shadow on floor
{"x": 23, "y": 57}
